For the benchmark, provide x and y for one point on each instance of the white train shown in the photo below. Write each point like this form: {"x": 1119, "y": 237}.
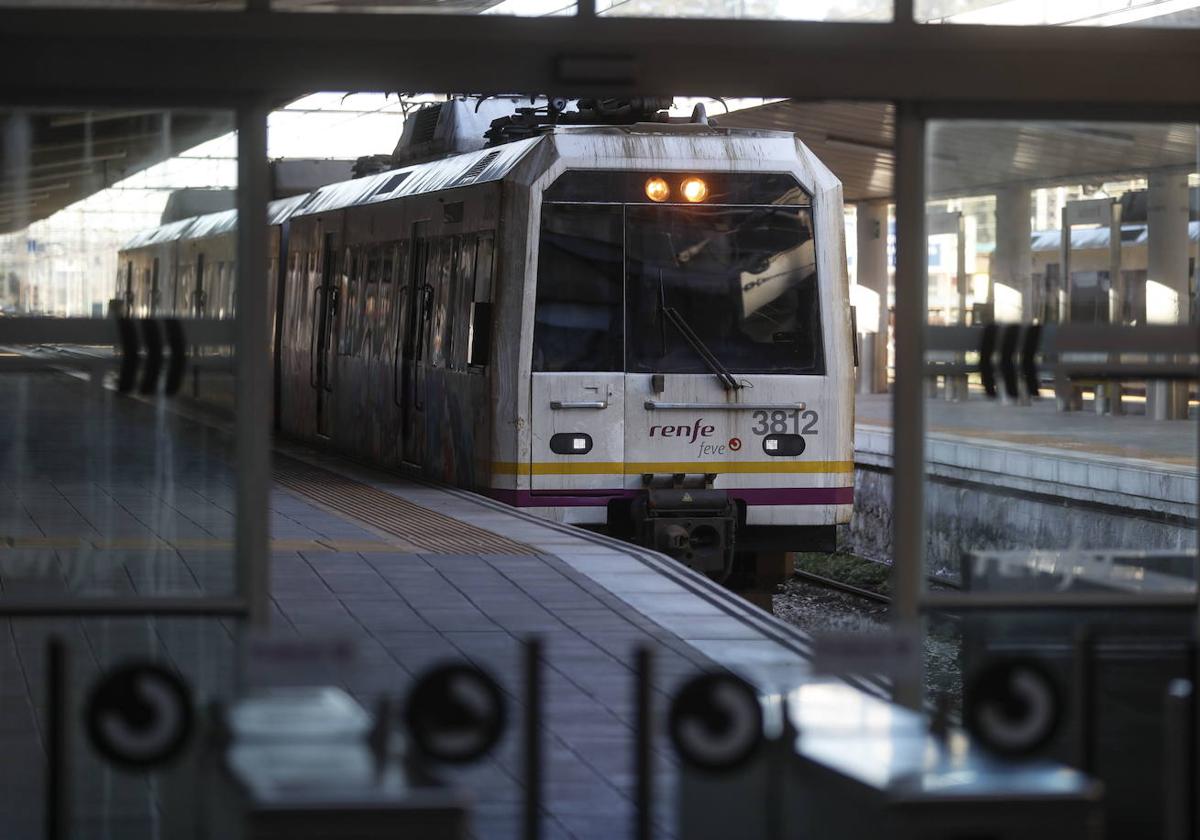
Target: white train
{"x": 641, "y": 327}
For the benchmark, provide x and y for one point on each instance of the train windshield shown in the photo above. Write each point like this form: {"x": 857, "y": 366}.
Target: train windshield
{"x": 742, "y": 280}
{"x": 621, "y": 287}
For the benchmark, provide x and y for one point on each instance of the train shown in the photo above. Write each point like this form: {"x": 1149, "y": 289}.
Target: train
{"x": 1091, "y": 285}
{"x": 639, "y": 325}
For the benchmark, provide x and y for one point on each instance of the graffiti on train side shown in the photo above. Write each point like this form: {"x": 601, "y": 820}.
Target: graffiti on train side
{"x": 451, "y": 431}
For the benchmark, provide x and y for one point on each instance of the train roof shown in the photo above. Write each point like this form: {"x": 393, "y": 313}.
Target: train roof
{"x": 210, "y": 224}
{"x": 1092, "y": 238}
{"x": 156, "y": 235}
{"x": 492, "y": 163}
{"x": 489, "y": 164}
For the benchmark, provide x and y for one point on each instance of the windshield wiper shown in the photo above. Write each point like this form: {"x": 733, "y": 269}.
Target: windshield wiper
{"x": 689, "y": 335}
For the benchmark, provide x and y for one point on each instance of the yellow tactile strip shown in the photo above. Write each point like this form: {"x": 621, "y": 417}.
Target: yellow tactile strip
{"x": 425, "y": 530}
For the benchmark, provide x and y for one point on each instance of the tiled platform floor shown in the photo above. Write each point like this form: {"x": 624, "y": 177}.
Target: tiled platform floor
{"x": 119, "y": 496}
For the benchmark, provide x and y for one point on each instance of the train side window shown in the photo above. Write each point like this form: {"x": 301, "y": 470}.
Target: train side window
{"x": 383, "y": 299}
{"x": 464, "y": 288}
{"x": 370, "y": 300}
{"x": 426, "y": 297}
{"x": 355, "y": 301}
{"x": 388, "y": 263}
{"x": 347, "y": 303}
{"x": 479, "y": 329}
{"x": 440, "y": 279}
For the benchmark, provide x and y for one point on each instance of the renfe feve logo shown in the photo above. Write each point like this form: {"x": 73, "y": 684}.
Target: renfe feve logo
{"x": 692, "y": 434}
{"x": 696, "y": 430}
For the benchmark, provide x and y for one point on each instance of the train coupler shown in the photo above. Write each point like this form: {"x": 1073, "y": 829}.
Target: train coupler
{"x": 694, "y": 525}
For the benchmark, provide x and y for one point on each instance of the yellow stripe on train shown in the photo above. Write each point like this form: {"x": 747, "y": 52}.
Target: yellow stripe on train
{"x": 661, "y": 467}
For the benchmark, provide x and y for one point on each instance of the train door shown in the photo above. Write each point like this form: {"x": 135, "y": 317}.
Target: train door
{"x": 413, "y": 338}
{"x": 578, "y": 380}
{"x": 326, "y": 303}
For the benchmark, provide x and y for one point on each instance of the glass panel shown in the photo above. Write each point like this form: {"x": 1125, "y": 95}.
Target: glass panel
{"x": 108, "y": 496}
{"x": 1061, "y": 437}
{"x": 99, "y": 798}
{"x": 1157, "y": 13}
{"x": 103, "y": 214}
{"x": 1067, "y": 461}
{"x": 849, "y": 10}
{"x": 1093, "y": 687}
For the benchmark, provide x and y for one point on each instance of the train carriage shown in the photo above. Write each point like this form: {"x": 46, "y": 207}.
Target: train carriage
{"x": 640, "y": 327}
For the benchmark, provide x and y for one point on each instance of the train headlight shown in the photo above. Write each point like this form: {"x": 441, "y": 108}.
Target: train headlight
{"x": 694, "y": 189}
{"x": 657, "y": 189}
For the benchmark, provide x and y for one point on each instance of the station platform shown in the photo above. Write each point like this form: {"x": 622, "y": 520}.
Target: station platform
{"x": 103, "y": 495}
{"x": 1128, "y": 462}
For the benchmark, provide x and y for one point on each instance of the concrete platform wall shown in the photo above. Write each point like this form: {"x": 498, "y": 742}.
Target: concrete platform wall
{"x": 997, "y": 495}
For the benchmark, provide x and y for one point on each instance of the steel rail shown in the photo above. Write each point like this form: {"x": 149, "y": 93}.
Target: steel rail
{"x": 849, "y": 588}
{"x": 842, "y": 586}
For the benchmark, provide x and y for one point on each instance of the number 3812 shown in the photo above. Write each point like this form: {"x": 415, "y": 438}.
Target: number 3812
{"x": 780, "y": 422}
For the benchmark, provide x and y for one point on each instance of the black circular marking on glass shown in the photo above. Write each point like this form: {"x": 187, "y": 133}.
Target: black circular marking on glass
{"x": 139, "y": 715}
{"x": 455, "y": 713}
{"x": 716, "y": 721}
{"x": 1013, "y": 706}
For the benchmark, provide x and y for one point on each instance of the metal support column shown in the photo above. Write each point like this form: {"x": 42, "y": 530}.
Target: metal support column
{"x": 953, "y": 224}
{"x": 908, "y": 403}
{"x": 873, "y": 274}
{"x": 1167, "y": 291}
{"x": 1116, "y": 308}
{"x": 1012, "y": 262}
{"x": 252, "y": 433}
{"x": 1010, "y": 277}
{"x": 1104, "y": 212}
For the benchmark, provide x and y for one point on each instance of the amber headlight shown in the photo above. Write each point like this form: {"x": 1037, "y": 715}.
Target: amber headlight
{"x": 694, "y": 189}
{"x": 657, "y": 189}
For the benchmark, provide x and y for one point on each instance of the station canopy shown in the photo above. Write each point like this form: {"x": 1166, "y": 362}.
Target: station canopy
{"x": 974, "y": 157}
{"x": 51, "y": 159}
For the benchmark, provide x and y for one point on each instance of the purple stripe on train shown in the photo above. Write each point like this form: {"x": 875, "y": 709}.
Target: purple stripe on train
{"x": 750, "y": 495}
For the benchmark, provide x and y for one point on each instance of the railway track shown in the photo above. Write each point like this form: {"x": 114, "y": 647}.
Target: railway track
{"x": 840, "y": 586}
{"x": 861, "y": 592}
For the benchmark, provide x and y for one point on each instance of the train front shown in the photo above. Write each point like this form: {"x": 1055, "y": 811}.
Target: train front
{"x": 691, "y": 382}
